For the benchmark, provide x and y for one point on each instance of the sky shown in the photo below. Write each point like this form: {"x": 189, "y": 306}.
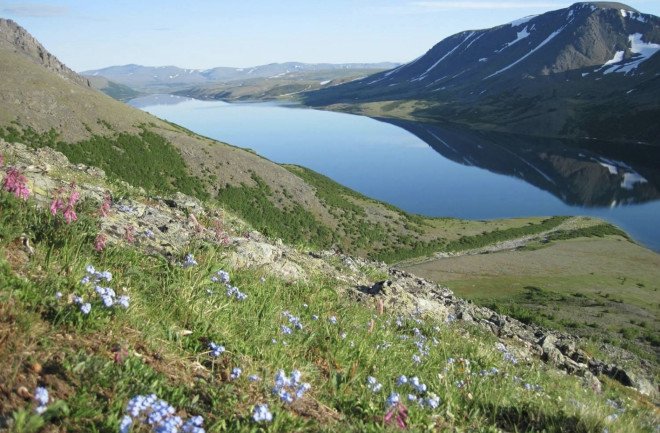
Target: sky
{"x": 202, "y": 34}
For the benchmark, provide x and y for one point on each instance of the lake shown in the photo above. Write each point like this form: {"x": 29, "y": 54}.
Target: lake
{"x": 440, "y": 171}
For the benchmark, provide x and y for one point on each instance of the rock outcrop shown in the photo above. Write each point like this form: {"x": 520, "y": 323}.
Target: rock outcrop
{"x": 16, "y": 37}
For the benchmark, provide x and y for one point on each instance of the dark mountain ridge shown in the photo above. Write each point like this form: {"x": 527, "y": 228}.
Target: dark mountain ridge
{"x": 567, "y": 72}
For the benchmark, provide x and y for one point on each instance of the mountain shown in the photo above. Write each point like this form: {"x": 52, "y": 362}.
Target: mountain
{"x": 166, "y": 78}
{"x": 590, "y": 70}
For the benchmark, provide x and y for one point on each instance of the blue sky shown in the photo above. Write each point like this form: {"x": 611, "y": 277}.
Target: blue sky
{"x": 91, "y": 34}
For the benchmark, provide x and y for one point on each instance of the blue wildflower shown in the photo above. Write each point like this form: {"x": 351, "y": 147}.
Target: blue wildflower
{"x": 284, "y": 395}
{"x": 222, "y": 276}
{"x": 235, "y": 373}
{"x": 193, "y": 425}
{"x": 41, "y": 396}
{"x": 86, "y": 308}
{"x": 216, "y": 350}
{"x": 333, "y": 320}
{"x": 169, "y": 425}
{"x": 373, "y": 384}
{"x": 190, "y": 261}
{"x": 301, "y": 389}
{"x": 123, "y": 301}
{"x": 108, "y": 301}
{"x": 253, "y": 378}
{"x": 432, "y": 401}
{"x": 392, "y": 400}
{"x": 261, "y": 413}
{"x": 159, "y": 411}
{"x": 125, "y": 424}
{"x": 402, "y": 380}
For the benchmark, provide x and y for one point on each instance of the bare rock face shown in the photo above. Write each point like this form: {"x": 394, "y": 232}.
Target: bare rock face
{"x": 16, "y": 37}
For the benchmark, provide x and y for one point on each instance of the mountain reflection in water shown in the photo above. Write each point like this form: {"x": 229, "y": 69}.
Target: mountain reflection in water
{"x": 579, "y": 172}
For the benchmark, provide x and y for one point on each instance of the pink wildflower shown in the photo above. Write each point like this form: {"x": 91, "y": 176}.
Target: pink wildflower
{"x": 399, "y": 413}
{"x": 61, "y": 202}
{"x": 105, "y": 206}
{"x": 99, "y": 242}
{"x": 128, "y": 233}
{"x": 15, "y": 183}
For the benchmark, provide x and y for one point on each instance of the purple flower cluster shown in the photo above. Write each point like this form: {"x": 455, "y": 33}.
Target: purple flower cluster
{"x": 158, "y": 414}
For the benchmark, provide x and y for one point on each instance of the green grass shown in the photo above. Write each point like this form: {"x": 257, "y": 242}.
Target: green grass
{"x": 293, "y": 224}
{"x": 175, "y": 312}
{"x": 145, "y": 160}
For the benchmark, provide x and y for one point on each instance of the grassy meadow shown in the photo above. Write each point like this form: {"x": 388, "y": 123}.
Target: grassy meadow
{"x": 122, "y": 340}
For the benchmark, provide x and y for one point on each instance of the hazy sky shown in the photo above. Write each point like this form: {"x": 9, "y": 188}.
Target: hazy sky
{"x": 91, "y": 34}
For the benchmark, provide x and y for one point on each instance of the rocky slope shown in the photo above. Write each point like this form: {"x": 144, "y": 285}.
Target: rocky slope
{"x": 563, "y": 73}
{"x": 165, "y": 225}
{"x": 14, "y": 37}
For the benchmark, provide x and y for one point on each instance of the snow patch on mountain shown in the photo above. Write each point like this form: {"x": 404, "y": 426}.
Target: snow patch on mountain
{"x": 520, "y": 36}
{"x": 548, "y": 39}
{"x": 630, "y": 179}
{"x": 424, "y": 75}
{"x": 645, "y": 50}
{"x": 522, "y": 20}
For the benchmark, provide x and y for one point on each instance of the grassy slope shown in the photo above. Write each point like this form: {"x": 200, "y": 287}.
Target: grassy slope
{"x": 600, "y": 287}
{"x": 93, "y": 364}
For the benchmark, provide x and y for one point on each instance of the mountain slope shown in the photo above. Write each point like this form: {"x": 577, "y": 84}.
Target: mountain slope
{"x": 565, "y": 73}
{"x": 40, "y": 108}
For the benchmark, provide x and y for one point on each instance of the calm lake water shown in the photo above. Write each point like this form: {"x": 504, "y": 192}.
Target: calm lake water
{"x": 438, "y": 171}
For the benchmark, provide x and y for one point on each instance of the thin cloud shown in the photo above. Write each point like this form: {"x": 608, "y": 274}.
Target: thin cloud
{"x": 482, "y": 5}
{"x": 34, "y": 10}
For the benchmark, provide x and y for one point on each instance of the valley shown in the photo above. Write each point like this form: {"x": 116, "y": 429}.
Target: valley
{"x": 482, "y": 245}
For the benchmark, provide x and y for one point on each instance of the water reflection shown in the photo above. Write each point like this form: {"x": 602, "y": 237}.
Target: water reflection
{"x": 579, "y": 172}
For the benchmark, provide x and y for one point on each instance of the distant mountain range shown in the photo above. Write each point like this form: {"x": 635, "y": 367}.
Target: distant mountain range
{"x": 590, "y": 70}
{"x": 148, "y": 78}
